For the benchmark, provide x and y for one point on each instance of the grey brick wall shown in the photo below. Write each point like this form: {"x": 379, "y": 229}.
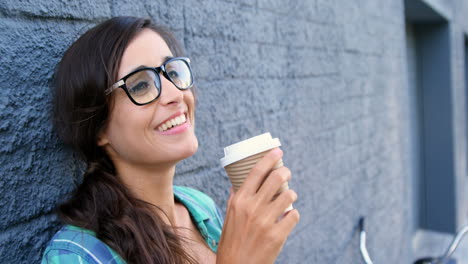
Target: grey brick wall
{"x": 328, "y": 77}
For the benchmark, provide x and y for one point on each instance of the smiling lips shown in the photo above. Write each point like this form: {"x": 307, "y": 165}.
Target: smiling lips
{"x": 174, "y": 122}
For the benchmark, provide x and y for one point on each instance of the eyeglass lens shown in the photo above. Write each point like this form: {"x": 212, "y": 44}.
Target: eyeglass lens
{"x": 144, "y": 86}
{"x": 179, "y": 74}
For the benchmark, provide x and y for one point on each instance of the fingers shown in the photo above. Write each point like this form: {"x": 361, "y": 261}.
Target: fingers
{"x": 260, "y": 170}
{"x": 289, "y": 221}
{"x": 231, "y": 194}
{"x": 282, "y": 202}
{"x": 273, "y": 183}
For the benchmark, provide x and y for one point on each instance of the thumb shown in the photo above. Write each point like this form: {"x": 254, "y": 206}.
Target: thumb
{"x": 231, "y": 194}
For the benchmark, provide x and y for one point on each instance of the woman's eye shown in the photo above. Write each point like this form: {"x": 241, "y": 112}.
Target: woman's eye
{"x": 173, "y": 74}
{"x": 140, "y": 88}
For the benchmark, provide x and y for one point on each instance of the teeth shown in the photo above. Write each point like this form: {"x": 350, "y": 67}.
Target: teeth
{"x": 172, "y": 123}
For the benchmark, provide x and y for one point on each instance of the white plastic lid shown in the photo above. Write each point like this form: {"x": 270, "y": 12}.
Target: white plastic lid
{"x": 248, "y": 147}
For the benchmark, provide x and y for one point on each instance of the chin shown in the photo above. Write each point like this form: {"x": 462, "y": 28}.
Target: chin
{"x": 192, "y": 149}
{"x": 189, "y": 149}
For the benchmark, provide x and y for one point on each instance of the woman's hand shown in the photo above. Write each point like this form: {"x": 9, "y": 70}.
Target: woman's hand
{"x": 252, "y": 232}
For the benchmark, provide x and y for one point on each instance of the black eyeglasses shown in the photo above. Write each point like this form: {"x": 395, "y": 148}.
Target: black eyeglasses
{"x": 143, "y": 85}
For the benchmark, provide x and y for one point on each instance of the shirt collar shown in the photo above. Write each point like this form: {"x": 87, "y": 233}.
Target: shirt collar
{"x": 197, "y": 212}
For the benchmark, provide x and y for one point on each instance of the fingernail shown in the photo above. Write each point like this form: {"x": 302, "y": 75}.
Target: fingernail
{"x": 277, "y": 151}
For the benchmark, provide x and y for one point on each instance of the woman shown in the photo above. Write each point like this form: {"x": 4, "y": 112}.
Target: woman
{"x": 123, "y": 99}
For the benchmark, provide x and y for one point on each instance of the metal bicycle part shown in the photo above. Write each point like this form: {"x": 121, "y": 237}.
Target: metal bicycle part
{"x": 451, "y": 249}
{"x": 453, "y": 246}
{"x": 425, "y": 261}
{"x": 362, "y": 242}
{"x": 428, "y": 260}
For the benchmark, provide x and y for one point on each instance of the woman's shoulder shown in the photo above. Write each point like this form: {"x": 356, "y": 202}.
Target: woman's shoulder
{"x": 193, "y": 193}
{"x": 196, "y": 199}
{"x": 205, "y": 213}
{"x": 72, "y": 244}
{"x": 200, "y": 205}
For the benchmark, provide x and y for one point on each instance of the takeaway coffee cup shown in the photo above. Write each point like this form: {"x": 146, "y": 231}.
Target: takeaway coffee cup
{"x": 241, "y": 157}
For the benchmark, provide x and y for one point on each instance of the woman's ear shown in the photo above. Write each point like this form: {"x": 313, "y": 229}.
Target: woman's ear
{"x": 102, "y": 138}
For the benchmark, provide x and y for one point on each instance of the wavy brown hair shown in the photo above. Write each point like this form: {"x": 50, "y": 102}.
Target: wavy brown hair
{"x": 101, "y": 202}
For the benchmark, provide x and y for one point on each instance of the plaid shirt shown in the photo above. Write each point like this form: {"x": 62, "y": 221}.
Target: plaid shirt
{"x": 73, "y": 244}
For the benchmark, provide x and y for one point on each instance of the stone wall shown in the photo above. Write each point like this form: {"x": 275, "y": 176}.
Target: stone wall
{"x": 328, "y": 77}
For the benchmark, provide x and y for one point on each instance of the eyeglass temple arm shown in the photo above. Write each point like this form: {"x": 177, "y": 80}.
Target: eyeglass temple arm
{"x": 113, "y": 87}
{"x": 362, "y": 242}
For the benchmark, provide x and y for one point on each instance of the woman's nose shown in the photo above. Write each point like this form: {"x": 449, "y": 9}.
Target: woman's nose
{"x": 170, "y": 94}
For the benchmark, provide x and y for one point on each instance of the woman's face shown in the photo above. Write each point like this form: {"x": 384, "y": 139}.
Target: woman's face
{"x": 134, "y": 134}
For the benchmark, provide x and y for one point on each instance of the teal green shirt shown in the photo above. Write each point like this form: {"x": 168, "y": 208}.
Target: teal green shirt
{"x": 73, "y": 244}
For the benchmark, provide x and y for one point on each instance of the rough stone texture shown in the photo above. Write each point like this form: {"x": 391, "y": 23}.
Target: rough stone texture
{"x": 327, "y": 77}
{"x": 74, "y": 9}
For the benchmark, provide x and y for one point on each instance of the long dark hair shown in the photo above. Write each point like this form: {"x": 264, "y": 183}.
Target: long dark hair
{"x": 102, "y": 203}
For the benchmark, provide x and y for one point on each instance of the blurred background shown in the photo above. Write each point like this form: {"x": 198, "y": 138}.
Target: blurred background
{"x": 368, "y": 98}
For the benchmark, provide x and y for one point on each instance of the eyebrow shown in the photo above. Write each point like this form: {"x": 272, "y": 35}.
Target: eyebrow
{"x": 145, "y": 66}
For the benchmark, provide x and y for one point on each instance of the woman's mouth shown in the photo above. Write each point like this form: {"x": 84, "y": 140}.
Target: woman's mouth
{"x": 172, "y": 123}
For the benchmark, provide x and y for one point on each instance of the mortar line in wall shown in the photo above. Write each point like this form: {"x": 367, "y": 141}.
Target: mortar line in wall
{"x": 360, "y": 52}
{"x": 346, "y": 243}
{"x": 198, "y": 170}
{"x": 331, "y": 158}
{"x": 330, "y": 129}
{"x": 339, "y": 204}
{"x": 276, "y": 44}
{"x": 330, "y": 210}
{"x": 240, "y": 4}
{"x": 112, "y": 7}
{"x": 28, "y": 219}
{"x": 302, "y": 19}
{"x": 282, "y": 14}
{"x": 4, "y": 13}
{"x": 272, "y": 77}
{"x": 28, "y": 17}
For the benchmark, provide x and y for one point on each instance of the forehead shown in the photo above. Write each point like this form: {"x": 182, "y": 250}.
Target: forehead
{"x": 148, "y": 48}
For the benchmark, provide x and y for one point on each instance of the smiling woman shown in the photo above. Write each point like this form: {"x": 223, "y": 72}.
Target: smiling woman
{"x": 123, "y": 100}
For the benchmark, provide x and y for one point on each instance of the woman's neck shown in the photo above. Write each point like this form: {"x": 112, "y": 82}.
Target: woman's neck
{"x": 152, "y": 185}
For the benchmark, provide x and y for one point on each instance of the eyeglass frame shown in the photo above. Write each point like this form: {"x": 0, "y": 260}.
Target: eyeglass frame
{"x": 121, "y": 83}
